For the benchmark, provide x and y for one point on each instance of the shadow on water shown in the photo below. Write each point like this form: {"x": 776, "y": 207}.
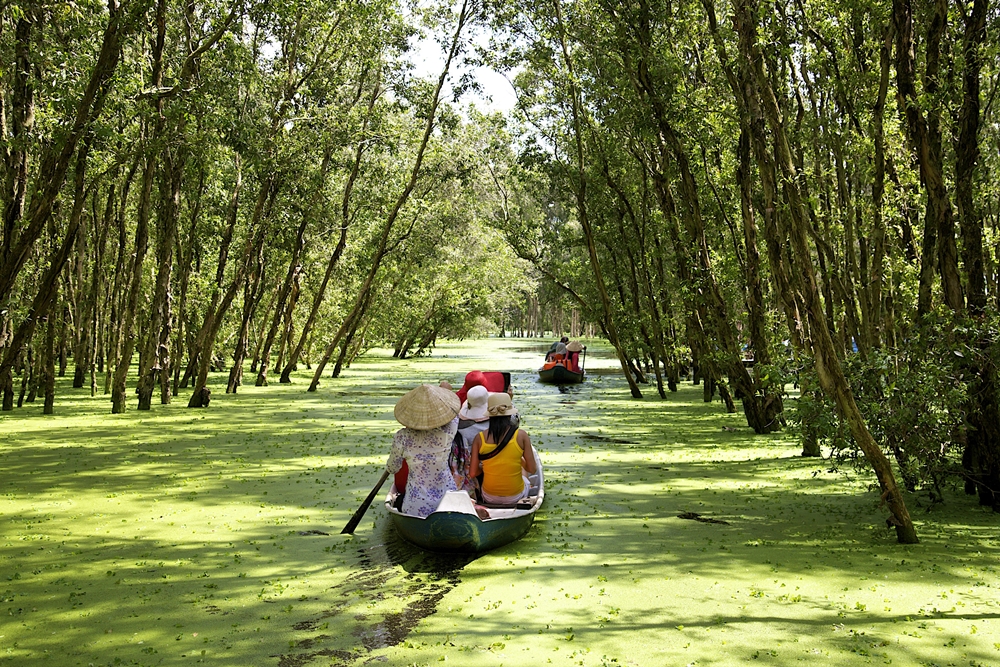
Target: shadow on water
{"x": 606, "y": 439}
{"x": 400, "y": 582}
{"x": 538, "y": 348}
{"x": 569, "y": 390}
{"x": 610, "y": 371}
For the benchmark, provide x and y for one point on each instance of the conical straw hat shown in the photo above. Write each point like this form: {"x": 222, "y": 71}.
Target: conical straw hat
{"x": 575, "y": 346}
{"x": 426, "y": 407}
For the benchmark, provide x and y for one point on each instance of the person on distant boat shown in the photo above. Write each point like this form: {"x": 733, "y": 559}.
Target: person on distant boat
{"x": 552, "y": 348}
{"x": 429, "y": 415}
{"x": 473, "y": 419}
{"x": 573, "y": 350}
{"x": 503, "y": 454}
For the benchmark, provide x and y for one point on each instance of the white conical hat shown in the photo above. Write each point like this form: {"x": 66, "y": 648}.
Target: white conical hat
{"x": 426, "y": 407}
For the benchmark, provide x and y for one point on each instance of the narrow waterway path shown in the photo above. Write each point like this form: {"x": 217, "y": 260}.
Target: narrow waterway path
{"x": 670, "y": 535}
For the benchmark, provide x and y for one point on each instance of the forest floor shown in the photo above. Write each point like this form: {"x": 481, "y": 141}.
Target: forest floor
{"x": 211, "y": 536}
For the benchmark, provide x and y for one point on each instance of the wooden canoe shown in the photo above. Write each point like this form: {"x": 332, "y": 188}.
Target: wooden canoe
{"x": 559, "y": 374}
{"x": 456, "y": 528}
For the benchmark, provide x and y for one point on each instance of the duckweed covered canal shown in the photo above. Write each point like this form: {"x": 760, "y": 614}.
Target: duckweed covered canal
{"x": 211, "y": 536}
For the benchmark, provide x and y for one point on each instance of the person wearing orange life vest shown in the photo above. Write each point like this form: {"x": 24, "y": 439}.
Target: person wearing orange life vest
{"x": 503, "y": 453}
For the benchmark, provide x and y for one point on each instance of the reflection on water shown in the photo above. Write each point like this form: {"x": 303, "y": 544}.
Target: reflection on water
{"x": 402, "y": 583}
{"x": 605, "y": 438}
{"x": 569, "y": 389}
{"x": 541, "y": 347}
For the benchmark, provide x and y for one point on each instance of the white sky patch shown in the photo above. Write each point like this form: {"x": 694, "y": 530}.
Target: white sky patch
{"x": 497, "y": 93}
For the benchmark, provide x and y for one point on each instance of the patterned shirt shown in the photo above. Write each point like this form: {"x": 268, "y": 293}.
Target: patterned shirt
{"x": 426, "y": 454}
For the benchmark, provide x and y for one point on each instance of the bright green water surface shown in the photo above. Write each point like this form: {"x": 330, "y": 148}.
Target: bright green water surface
{"x": 179, "y": 536}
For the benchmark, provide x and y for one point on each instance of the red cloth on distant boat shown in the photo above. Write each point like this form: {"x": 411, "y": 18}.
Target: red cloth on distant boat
{"x": 494, "y": 381}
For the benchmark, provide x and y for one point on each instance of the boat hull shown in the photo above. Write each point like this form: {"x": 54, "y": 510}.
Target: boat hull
{"x": 456, "y": 527}
{"x": 559, "y": 375}
{"x": 456, "y": 532}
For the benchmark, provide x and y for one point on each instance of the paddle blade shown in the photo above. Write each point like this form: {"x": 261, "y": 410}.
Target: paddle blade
{"x": 356, "y": 519}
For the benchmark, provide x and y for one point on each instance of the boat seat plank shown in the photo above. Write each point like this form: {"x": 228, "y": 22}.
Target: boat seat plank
{"x": 526, "y": 504}
{"x": 456, "y": 501}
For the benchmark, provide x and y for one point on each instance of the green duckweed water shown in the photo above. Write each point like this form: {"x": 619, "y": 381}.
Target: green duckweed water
{"x": 180, "y": 536}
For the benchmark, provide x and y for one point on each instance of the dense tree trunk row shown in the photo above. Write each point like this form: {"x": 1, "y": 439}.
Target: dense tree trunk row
{"x": 77, "y": 284}
{"x": 743, "y": 198}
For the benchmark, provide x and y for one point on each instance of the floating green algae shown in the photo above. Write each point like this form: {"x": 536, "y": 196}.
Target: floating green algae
{"x": 182, "y": 536}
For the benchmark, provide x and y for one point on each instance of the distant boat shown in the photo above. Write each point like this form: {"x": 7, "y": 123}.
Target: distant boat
{"x": 455, "y": 527}
{"x": 557, "y": 373}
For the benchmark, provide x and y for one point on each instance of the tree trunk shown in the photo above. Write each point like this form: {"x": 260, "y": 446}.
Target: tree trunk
{"x": 26, "y": 376}
{"x": 580, "y": 194}
{"x": 56, "y": 160}
{"x": 252, "y": 293}
{"x": 288, "y": 330}
{"x": 124, "y": 361}
{"x": 44, "y": 300}
{"x": 185, "y": 256}
{"x": 116, "y": 298}
{"x": 763, "y": 408}
{"x": 925, "y": 137}
{"x": 22, "y": 114}
{"x": 7, "y": 388}
{"x": 294, "y": 269}
{"x": 981, "y": 458}
{"x": 217, "y": 310}
{"x": 166, "y": 228}
{"x": 383, "y": 242}
{"x": 877, "y": 278}
{"x": 194, "y": 360}
{"x": 49, "y": 375}
{"x": 37, "y": 369}
{"x": 828, "y": 368}
{"x": 81, "y": 307}
{"x": 90, "y": 339}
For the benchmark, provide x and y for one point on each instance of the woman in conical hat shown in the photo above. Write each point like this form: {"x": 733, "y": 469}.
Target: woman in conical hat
{"x": 429, "y": 415}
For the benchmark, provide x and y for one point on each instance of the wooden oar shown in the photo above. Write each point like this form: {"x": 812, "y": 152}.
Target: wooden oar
{"x": 356, "y": 519}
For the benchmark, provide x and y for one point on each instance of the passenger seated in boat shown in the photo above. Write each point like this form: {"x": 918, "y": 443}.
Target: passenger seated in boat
{"x": 557, "y": 358}
{"x": 473, "y": 419}
{"x": 573, "y": 355}
{"x": 503, "y": 453}
{"x": 399, "y": 479}
{"x": 552, "y": 348}
{"x": 429, "y": 415}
